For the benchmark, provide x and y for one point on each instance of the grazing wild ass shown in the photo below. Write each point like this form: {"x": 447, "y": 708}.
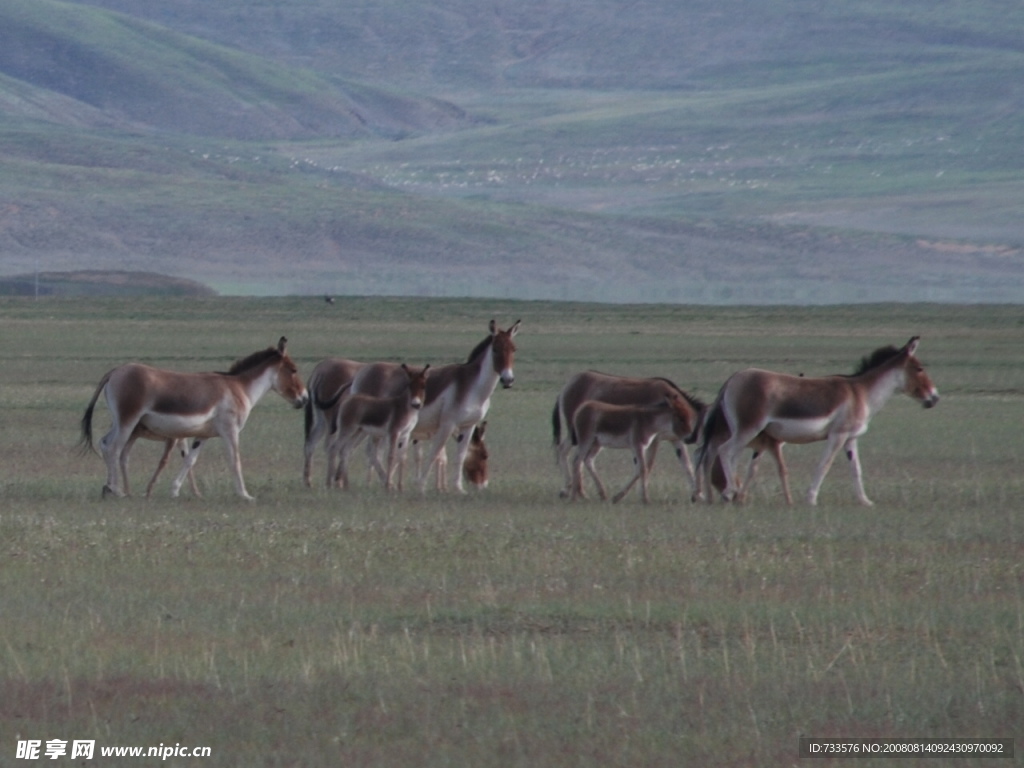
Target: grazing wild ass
{"x": 457, "y": 399}
{"x": 836, "y": 409}
{"x": 385, "y": 418}
{"x": 714, "y": 431}
{"x": 598, "y": 425}
{"x": 170, "y": 405}
{"x": 619, "y": 390}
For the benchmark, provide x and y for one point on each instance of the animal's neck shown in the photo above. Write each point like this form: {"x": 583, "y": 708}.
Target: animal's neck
{"x": 883, "y": 384}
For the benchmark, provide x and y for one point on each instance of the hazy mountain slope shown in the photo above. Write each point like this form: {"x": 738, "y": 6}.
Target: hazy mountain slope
{"x": 790, "y": 150}
{"x": 78, "y": 65}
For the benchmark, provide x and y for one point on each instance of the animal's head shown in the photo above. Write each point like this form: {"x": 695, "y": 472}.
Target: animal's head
{"x": 288, "y": 383}
{"x": 916, "y": 381}
{"x": 417, "y": 384}
{"x": 503, "y": 352}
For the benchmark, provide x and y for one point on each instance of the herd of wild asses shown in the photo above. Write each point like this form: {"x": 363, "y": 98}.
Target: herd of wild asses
{"x": 390, "y": 406}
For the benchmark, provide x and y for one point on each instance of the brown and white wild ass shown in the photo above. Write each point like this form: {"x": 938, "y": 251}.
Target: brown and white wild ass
{"x": 836, "y": 409}
{"x": 619, "y": 390}
{"x": 390, "y": 419}
{"x": 457, "y": 399}
{"x": 171, "y": 405}
{"x": 598, "y": 425}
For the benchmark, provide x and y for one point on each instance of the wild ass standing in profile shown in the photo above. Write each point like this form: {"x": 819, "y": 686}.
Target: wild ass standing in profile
{"x": 620, "y": 390}
{"x": 390, "y": 419}
{"x": 598, "y": 425}
{"x": 836, "y": 409}
{"x": 171, "y": 405}
{"x": 457, "y": 399}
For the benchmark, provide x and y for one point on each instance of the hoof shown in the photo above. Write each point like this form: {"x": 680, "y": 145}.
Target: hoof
{"x": 108, "y": 491}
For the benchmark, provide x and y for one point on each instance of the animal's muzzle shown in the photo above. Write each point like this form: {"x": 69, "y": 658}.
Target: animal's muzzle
{"x": 931, "y": 401}
{"x": 507, "y": 379}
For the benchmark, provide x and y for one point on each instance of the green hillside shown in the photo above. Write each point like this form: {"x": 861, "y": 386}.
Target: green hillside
{"x": 784, "y": 151}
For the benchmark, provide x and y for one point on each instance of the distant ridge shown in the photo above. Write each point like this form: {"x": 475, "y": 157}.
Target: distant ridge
{"x": 101, "y": 283}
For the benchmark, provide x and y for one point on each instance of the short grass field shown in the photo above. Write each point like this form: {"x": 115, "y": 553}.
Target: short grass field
{"x": 510, "y": 627}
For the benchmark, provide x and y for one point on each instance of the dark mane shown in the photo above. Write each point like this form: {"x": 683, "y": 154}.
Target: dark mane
{"x": 252, "y": 361}
{"x": 695, "y": 402}
{"x": 479, "y": 349}
{"x": 878, "y": 357}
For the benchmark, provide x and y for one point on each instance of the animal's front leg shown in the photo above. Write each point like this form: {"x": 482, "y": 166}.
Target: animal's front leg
{"x": 858, "y": 479}
{"x": 234, "y": 461}
{"x": 832, "y": 447}
{"x": 186, "y": 468}
{"x": 462, "y": 441}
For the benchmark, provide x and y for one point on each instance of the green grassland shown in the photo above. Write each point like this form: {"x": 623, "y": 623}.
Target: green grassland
{"x": 510, "y": 627}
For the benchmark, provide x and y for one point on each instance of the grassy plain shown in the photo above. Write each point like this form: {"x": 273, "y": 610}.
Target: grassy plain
{"x": 509, "y": 627}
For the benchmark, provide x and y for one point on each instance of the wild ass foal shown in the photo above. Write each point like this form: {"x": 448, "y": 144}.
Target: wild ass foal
{"x": 475, "y": 469}
{"x": 836, "y": 409}
{"x": 386, "y": 418}
{"x": 170, "y": 405}
{"x": 599, "y": 425}
{"x": 619, "y": 390}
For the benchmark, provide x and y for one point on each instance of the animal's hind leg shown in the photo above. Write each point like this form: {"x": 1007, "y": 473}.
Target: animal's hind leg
{"x": 639, "y": 473}
{"x": 588, "y": 462}
{"x": 168, "y": 447}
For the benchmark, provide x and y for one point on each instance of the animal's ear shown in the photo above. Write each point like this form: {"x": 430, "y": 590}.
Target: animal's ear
{"x": 911, "y": 347}
{"x": 493, "y": 326}
{"x": 426, "y": 367}
{"x": 282, "y": 344}
{"x": 514, "y": 329}
{"x": 405, "y": 367}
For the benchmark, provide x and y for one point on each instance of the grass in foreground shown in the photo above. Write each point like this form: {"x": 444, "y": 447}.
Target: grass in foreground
{"x": 509, "y": 627}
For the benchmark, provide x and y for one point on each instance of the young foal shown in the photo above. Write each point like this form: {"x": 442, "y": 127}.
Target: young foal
{"x": 475, "y": 469}
{"x": 386, "y": 418}
{"x": 836, "y": 409}
{"x": 171, "y": 405}
{"x": 599, "y": 425}
{"x": 618, "y": 390}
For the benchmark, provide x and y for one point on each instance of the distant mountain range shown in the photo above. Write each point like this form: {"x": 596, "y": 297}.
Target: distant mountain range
{"x": 735, "y": 151}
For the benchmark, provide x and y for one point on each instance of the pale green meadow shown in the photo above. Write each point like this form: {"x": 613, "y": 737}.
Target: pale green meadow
{"x": 509, "y": 627}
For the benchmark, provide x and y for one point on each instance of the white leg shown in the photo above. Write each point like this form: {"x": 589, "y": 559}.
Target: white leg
{"x": 832, "y": 447}
{"x": 858, "y": 480}
{"x": 186, "y": 469}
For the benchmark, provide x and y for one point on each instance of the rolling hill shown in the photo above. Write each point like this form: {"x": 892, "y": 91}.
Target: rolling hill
{"x": 788, "y": 151}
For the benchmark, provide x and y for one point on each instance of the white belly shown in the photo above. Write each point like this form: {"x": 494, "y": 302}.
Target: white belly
{"x": 799, "y": 430}
{"x": 180, "y": 425}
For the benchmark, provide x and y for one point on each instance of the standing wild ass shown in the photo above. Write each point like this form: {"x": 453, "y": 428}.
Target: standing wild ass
{"x": 385, "y": 418}
{"x": 171, "y": 405}
{"x": 598, "y": 425}
{"x": 836, "y": 409}
{"x": 620, "y": 390}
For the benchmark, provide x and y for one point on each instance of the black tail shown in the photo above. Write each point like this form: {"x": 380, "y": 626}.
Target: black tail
{"x": 556, "y": 424}
{"x": 86, "y": 441}
{"x": 711, "y": 423}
